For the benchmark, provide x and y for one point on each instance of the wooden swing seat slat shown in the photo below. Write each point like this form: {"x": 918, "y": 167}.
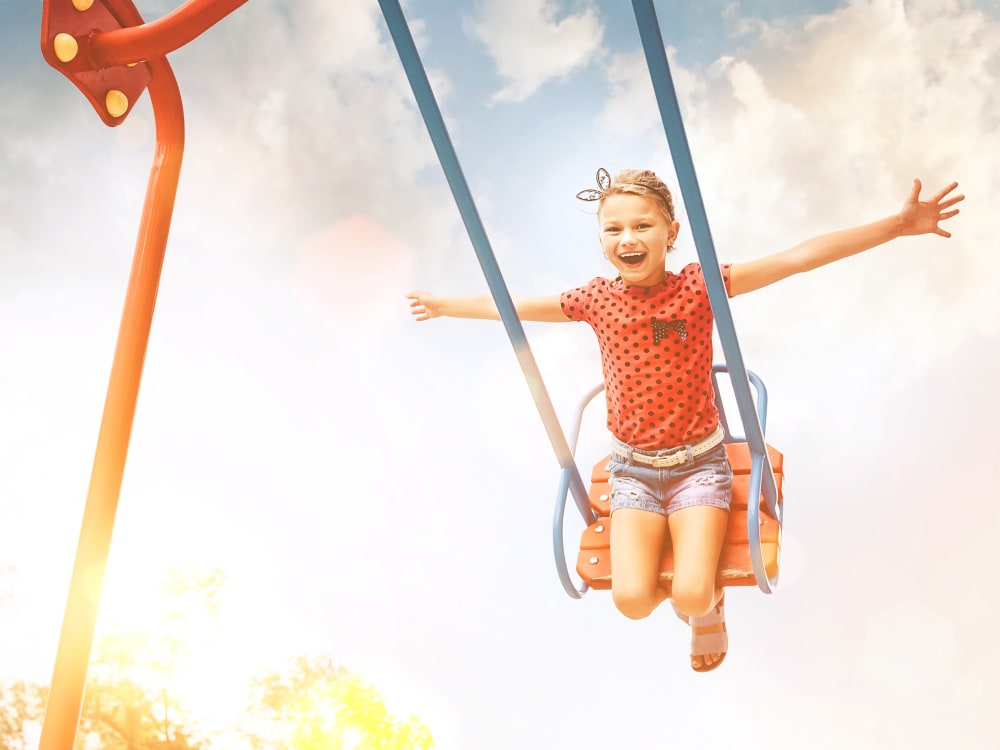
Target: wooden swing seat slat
{"x": 735, "y": 568}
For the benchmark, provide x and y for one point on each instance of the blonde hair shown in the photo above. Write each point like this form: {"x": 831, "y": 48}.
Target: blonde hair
{"x": 641, "y": 182}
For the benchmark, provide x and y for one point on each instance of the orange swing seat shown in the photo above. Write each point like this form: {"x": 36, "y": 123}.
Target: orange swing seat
{"x": 735, "y": 567}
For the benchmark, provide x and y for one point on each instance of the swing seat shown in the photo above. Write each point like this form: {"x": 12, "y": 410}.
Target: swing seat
{"x": 735, "y": 568}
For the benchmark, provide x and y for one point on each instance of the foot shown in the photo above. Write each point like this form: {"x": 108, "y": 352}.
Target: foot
{"x": 709, "y": 640}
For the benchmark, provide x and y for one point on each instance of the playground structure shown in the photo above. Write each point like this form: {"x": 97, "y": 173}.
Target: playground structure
{"x": 108, "y": 53}
{"x": 112, "y": 56}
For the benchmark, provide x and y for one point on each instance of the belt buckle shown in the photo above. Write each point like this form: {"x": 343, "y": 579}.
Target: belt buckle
{"x": 677, "y": 457}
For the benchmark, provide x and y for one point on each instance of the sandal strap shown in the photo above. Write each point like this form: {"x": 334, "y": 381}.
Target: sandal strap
{"x": 708, "y": 632}
{"x": 716, "y": 616}
{"x": 709, "y": 643}
{"x": 719, "y": 627}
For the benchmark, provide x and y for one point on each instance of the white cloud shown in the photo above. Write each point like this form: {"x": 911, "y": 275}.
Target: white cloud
{"x": 531, "y": 44}
{"x": 631, "y": 108}
{"x": 326, "y": 115}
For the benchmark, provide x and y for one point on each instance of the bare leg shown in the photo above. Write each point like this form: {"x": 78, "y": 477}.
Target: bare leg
{"x": 698, "y": 533}
{"x": 637, "y": 539}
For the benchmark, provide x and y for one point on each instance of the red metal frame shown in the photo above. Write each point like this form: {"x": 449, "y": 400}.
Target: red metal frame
{"x": 61, "y": 18}
{"x": 109, "y": 36}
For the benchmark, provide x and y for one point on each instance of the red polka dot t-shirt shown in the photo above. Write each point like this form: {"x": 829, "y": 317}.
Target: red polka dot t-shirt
{"x": 656, "y": 350}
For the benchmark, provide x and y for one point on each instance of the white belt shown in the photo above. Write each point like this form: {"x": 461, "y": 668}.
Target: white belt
{"x": 680, "y": 455}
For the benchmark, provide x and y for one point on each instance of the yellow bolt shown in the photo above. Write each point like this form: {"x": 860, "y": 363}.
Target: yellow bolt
{"x": 82, "y": 4}
{"x": 65, "y": 47}
{"x": 116, "y": 102}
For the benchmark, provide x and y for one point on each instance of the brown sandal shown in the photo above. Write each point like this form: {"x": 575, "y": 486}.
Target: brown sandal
{"x": 709, "y": 636}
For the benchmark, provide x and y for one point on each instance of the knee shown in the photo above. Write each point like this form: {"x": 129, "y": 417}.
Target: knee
{"x": 692, "y": 598}
{"x": 634, "y": 602}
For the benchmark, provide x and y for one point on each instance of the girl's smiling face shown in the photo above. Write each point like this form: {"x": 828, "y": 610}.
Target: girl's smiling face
{"x": 636, "y": 236}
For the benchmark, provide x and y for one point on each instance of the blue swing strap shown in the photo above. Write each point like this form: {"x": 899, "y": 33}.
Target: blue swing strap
{"x": 424, "y": 95}
{"x": 761, "y": 475}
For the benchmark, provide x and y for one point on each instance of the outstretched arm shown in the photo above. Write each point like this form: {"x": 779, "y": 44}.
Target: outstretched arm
{"x": 916, "y": 217}
{"x": 425, "y": 306}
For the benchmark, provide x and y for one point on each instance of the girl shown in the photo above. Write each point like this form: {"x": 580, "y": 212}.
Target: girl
{"x": 669, "y": 471}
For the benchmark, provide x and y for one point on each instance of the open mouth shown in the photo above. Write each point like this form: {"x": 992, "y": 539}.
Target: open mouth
{"x": 632, "y": 259}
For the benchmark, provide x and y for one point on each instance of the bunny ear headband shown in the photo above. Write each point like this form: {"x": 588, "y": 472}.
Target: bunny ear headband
{"x": 603, "y": 182}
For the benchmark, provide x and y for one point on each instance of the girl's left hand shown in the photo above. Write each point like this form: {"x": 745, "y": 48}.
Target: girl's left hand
{"x": 923, "y": 217}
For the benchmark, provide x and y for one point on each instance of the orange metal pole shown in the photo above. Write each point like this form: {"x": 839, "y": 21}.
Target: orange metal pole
{"x": 157, "y": 38}
{"x": 75, "y": 642}
{"x": 118, "y": 37}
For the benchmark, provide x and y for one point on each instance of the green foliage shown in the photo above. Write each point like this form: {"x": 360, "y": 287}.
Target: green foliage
{"x": 316, "y": 705}
{"x": 20, "y": 703}
{"x": 130, "y": 703}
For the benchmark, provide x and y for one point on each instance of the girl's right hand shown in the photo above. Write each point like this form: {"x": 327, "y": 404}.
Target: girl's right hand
{"x": 423, "y": 305}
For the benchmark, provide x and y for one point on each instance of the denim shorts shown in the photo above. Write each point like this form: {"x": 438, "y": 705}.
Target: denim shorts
{"x": 706, "y": 480}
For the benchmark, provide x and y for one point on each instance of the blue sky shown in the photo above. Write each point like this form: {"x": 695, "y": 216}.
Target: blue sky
{"x": 382, "y": 491}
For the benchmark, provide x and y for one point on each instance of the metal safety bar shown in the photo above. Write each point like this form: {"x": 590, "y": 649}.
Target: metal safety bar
{"x": 588, "y": 515}
{"x": 761, "y": 473}
{"x": 431, "y": 113}
{"x": 72, "y": 661}
{"x": 760, "y": 400}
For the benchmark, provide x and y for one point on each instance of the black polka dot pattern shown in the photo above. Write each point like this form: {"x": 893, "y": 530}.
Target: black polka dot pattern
{"x": 656, "y": 351}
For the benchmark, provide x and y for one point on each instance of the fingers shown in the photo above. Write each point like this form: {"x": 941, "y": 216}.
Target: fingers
{"x": 945, "y": 215}
{"x": 951, "y": 202}
{"x": 939, "y": 197}
{"x": 418, "y": 307}
{"x": 940, "y": 202}
{"x": 942, "y": 193}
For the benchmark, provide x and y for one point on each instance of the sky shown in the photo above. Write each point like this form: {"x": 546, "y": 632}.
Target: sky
{"x": 381, "y": 491}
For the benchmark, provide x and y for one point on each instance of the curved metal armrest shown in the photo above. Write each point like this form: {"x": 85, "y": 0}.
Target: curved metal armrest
{"x": 761, "y": 399}
{"x": 761, "y": 478}
{"x": 582, "y": 504}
